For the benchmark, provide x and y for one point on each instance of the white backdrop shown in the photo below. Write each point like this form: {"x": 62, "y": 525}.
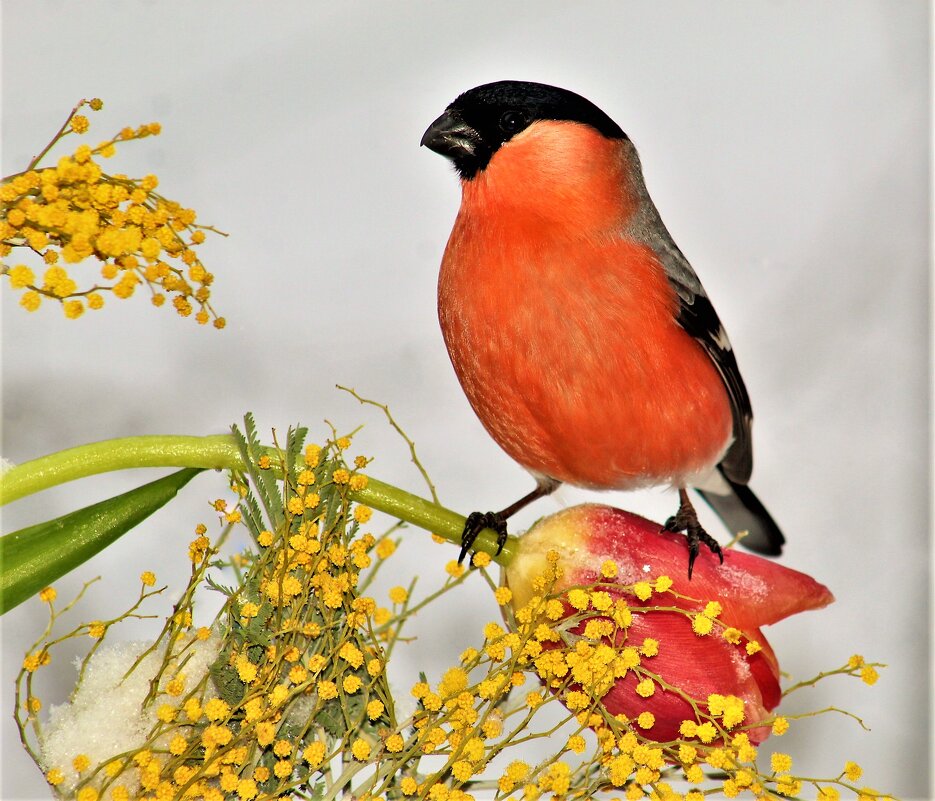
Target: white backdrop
{"x": 785, "y": 143}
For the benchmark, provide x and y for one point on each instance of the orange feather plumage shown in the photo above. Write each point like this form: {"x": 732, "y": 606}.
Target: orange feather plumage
{"x": 563, "y": 332}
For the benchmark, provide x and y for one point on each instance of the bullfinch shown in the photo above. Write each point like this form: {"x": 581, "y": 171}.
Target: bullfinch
{"x": 581, "y": 335}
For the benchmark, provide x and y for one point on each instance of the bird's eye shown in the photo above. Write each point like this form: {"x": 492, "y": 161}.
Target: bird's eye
{"x": 513, "y": 121}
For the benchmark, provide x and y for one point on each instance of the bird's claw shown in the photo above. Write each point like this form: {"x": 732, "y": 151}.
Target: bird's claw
{"x": 676, "y": 523}
{"x": 696, "y": 537}
{"x": 476, "y": 522}
{"x": 695, "y": 534}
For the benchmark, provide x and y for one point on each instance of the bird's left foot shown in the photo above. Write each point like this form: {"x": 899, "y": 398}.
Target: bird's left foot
{"x": 476, "y": 523}
{"x": 686, "y": 519}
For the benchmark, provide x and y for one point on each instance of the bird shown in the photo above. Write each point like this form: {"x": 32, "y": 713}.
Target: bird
{"x": 579, "y": 332}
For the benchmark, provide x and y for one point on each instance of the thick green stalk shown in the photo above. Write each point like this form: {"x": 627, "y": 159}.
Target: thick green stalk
{"x": 220, "y": 452}
{"x": 217, "y": 452}
{"x": 432, "y": 517}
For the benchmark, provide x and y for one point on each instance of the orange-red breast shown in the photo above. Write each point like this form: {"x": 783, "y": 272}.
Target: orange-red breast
{"x": 580, "y": 333}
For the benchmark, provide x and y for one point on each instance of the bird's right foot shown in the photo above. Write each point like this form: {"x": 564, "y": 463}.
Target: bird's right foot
{"x": 475, "y": 524}
{"x": 686, "y": 519}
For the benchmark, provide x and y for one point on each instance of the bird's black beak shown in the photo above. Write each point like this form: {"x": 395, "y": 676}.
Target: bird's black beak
{"x": 451, "y": 137}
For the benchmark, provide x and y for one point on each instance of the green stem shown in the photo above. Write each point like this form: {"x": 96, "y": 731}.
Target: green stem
{"x": 217, "y": 452}
{"x": 220, "y": 452}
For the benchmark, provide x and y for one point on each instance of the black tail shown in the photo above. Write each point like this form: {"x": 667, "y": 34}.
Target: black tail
{"x": 741, "y": 510}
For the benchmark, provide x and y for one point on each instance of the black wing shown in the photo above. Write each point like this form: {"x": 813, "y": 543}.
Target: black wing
{"x": 698, "y": 318}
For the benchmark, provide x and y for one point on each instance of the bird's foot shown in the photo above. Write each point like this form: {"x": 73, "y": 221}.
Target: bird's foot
{"x": 686, "y": 519}
{"x": 476, "y": 523}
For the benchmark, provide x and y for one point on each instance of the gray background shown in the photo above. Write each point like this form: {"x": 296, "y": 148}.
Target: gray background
{"x": 785, "y": 143}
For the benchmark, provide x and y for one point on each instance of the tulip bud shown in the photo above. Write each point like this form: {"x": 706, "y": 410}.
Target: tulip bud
{"x": 698, "y": 642}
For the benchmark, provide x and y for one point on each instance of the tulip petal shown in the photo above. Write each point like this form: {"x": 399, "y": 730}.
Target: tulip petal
{"x": 753, "y": 591}
{"x": 696, "y": 667}
{"x": 690, "y": 665}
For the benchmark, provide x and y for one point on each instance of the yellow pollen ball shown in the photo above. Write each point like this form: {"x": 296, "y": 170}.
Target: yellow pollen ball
{"x": 732, "y": 635}
{"x": 780, "y": 763}
{"x": 54, "y": 777}
{"x": 265, "y": 732}
{"x": 327, "y": 690}
{"x": 702, "y": 625}
{"x": 21, "y": 276}
{"x": 73, "y": 309}
{"x": 579, "y": 599}
{"x": 30, "y": 301}
{"x": 192, "y": 709}
{"x": 462, "y": 770}
{"x": 712, "y": 609}
{"x": 351, "y": 654}
{"x": 650, "y": 647}
{"x": 246, "y": 669}
{"x": 646, "y": 720}
{"x": 314, "y": 754}
{"x": 643, "y": 590}
{"x": 535, "y": 699}
{"x": 360, "y": 749}
{"x": 645, "y": 688}
{"x": 706, "y": 732}
{"x": 385, "y": 548}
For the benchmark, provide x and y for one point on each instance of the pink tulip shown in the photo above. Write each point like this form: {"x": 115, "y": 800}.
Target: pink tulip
{"x": 752, "y": 592}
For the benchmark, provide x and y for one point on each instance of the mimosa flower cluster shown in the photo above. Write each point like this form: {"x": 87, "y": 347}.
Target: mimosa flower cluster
{"x": 286, "y": 695}
{"x": 55, "y": 217}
